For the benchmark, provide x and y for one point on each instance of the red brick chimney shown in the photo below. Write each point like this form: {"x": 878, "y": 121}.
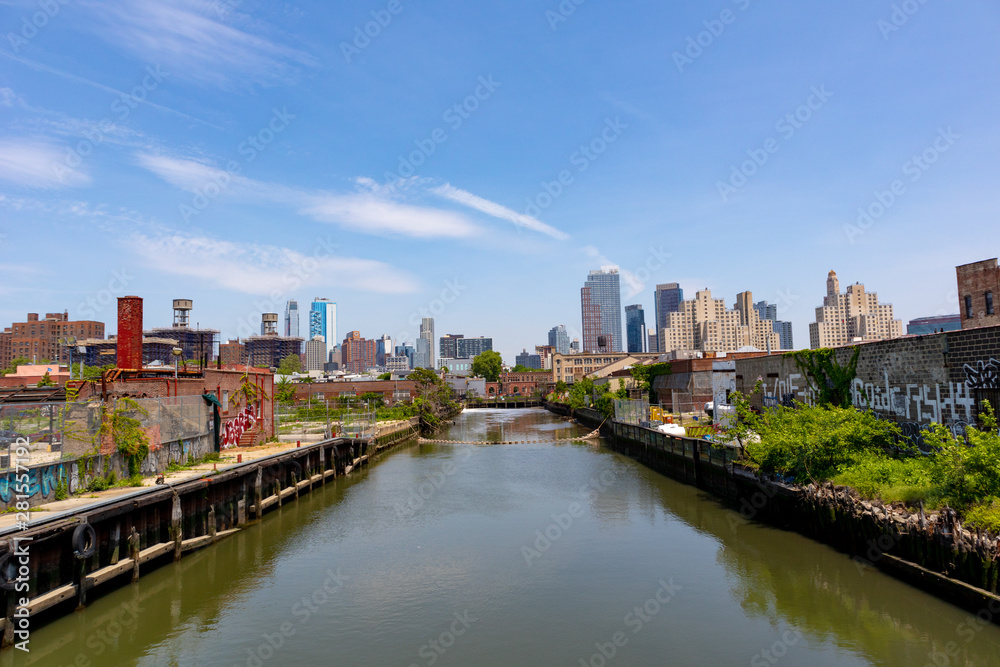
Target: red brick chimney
{"x": 130, "y": 333}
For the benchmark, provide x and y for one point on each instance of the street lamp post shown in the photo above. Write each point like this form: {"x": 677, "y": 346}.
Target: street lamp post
{"x": 70, "y": 342}
{"x": 177, "y": 352}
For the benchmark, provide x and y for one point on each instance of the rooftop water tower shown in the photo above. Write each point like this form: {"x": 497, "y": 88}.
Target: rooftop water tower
{"x": 269, "y": 324}
{"x": 182, "y": 313}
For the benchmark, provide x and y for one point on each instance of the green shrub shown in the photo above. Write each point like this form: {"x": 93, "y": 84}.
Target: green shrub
{"x": 814, "y": 443}
{"x": 985, "y": 516}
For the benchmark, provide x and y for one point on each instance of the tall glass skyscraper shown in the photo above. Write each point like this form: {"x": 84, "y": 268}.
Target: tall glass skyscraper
{"x": 323, "y": 322}
{"x": 427, "y": 333}
{"x": 292, "y": 318}
{"x": 635, "y": 328}
{"x": 601, "y": 306}
{"x": 559, "y": 339}
{"x": 666, "y": 299}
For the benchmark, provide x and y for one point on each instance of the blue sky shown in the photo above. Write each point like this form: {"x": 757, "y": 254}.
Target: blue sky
{"x": 243, "y": 153}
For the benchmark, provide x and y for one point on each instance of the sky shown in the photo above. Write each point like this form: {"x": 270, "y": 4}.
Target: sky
{"x": 474, "y": 161}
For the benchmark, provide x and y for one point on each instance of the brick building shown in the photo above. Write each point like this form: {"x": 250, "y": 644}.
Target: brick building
{"x": 357, "y": 353}
{"x": 978, "y": 288}
{"x": 240, "y": 424}
{"x": 37, "y": 339}
{"x": 232, "y": 353}
{"x": 6, "y": 337}
{"x": 393, "y": 391}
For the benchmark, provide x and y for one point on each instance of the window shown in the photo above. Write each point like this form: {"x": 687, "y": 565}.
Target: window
{"x": 989, "y": 303}
{"x": 968, "y": 307}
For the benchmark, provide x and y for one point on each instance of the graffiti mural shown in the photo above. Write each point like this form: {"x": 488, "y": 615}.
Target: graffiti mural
{"x": 237, "y": 426}
{"x": 984, "y": 375}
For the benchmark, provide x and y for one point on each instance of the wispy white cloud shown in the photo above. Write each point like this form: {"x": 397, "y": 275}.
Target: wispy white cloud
{"x": 261, "y": 269}
{"x": 188, "y": 36}
{"x": 370, "y": 212}
{"x": 497, "y": 211}
{"x": 37, "y": 164}
{"x": 99, "y": 86}
{"x": 634, "y": 285}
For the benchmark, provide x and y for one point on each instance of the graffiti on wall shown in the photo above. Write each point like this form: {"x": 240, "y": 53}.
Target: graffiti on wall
{"x": 236, "y": 426}
{"x": 984, "y": 375}
{"x": 37, "y": 481}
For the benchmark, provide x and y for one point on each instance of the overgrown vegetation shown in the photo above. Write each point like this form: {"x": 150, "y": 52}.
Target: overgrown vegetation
{"x": 123, "y": 425}
{"x": 852, "y": 447}
{"x": 830, "y": 382}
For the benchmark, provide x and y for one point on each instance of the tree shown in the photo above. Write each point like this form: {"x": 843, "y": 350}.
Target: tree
{"x": 385, "y": 376}
{"x": 374, "y": 397}
{"x": 444, "y": 369}
{"x": 284, "y": 390}
{"x": 46, "y": 381}
{"x": 520, "y": 368}
{"x": 15, "y": 362}
{"x": 290, "y": 364}
{"x": 830, "y": 381}
{"x": 95, "y": 372}
{"x": 487, "y": 365}
{"x": 644, "y": 376}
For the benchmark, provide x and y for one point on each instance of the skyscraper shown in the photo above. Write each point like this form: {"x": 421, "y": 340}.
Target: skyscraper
{"x": 845, "y": 318}
{"x": 427, "y": 333}
{"x": 292, "y": 318}
{"x": 383, "y": 349}
{"x": 559, "y": 339}
{"x": 769, "y": 311}
{"x": 423, "y": 355}
{"x": 323, "y": 322}
{"x": 635, "y": 328}
{"x": 667, "y": 299}
{"x": 601, "y": 306}
{"x": 449, "y": 346}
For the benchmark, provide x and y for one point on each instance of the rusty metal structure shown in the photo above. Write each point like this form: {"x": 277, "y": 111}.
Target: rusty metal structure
{"x": 129, "y": 353}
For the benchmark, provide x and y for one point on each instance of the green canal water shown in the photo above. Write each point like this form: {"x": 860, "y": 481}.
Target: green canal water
{"x": 550, "y": 553}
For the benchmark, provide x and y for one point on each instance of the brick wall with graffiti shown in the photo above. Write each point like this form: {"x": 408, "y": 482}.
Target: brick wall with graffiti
{"x": 916, "y": 381}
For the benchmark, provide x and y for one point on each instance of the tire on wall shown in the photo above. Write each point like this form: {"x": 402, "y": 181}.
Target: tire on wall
{"x": 84, "y": 541}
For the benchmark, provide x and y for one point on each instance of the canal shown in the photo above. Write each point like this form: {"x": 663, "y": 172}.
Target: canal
{"x": 550, "y": 553}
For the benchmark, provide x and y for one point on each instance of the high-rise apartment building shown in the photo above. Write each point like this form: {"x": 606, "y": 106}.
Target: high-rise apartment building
{"x": 422, "y": 357}
{"x": 427, "y": 333}
{"x": 448, "y": 348}
{"x": 601, "y": 308}
{"x": 315, "y": 358}
{"x": 39, "y": 339}
{"x": 852, "y": 316}
{"x": 769, "y": 311}
{"x": 653, "y": 346}
{"x": 559, "y": 339}
{"x": 705, "y": 324}
{"x": 233, "y": 353}
{"x": 635, "y": 328}
{"x": 469, "y": 348}
{"x": 323, "y": 322}
{"x": 357, "y": 353}
{"x": 666, "y": 299}
{"x": 292, "y": 318}
{"x": 528, "y": 360}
